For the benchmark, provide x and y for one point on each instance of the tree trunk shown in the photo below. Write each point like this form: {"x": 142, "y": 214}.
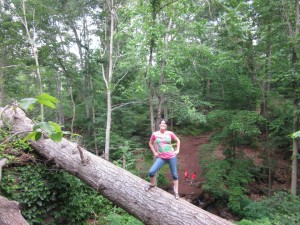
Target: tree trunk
{"x": 34, "y": 50}
{"x": 295, "y": 149}
{"x": 160, "y": 94}
{"x": 293, "y": 34}
{"x": 10, "y": 213}
{"x": 118, "y": 185}
{"x": 93, "y": 115}
{"x": 109, "y": 80}
{"x": 1, "y": 80}
{"x": 82, "y": 70}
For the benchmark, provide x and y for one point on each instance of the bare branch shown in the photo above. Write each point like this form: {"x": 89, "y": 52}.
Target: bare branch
{"x": 15, "y": 134}
{"x": 124, "y": 104}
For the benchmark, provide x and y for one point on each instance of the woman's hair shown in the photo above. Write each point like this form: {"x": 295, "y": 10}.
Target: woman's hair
{"x": 166, "y": 121}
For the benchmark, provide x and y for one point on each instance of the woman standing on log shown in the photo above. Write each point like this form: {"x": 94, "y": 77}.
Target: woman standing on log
{"x": 160, "y": 145}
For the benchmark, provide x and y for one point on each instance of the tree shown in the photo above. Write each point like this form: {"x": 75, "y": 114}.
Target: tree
{"x": 107, "y": 76}
{"x": 31, "y": 37}
{"x": 293, "y": 34}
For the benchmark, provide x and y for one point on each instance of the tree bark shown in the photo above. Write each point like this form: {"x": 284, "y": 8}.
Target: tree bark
{"x": 118, "y": 185}
{"x": 10, "y": 213}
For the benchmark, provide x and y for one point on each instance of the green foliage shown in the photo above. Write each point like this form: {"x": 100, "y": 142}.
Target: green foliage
{"x": 9, "y": 184}
{"x": 296, "y": 134}
{"x": 51, "y": 128}
{"x": 186, "y": 112}
{"x": 264, "y": 221}
{"x": 282, "y": 208}
{"x": 127, "y": 156}
{"x": 235, "y": 127}
{"x": 11, "y": 149}
{"x": 227, "y": 180}
{"x": 44, "y": 99}
{"x": 53, "y": 194}
{"x": 162, "y": 180}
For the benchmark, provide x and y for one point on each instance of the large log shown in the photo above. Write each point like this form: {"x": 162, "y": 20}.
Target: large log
{"x": 116, "y": 184}
{"x": 10, "y": 213}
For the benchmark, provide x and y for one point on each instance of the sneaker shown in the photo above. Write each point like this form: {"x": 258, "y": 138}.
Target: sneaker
{"x": 176, "y": 195}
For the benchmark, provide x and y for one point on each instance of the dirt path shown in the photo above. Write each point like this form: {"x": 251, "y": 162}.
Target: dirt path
{"x": 188, "y": 158}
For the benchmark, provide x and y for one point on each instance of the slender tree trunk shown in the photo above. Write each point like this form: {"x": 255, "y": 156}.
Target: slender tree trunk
{"x": 160, "y": 95}
{"x": 294, "y": 84}
{"x": 60, "y": 115}
{"x": 151, "y": 104}
{"x": 295, "y": 148}
{"x": 109, "y": 80}
{"x": 73, "y": 109}
{"x": 150, "y": 65}
{"x": 94, "y": 115}
{"x": 296, "y": 106}
{"x": 34, "y": 52}
{"x": 82, "y": 70}
{"x": 1, "y": 78}
{"x": 264, "y": 107}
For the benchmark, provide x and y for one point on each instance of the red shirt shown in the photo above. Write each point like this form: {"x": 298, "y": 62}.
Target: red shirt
{"x": 193, "y": 176}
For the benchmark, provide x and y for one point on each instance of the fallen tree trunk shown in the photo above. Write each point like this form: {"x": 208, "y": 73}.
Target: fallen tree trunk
{"x": 10, "y": 213}
{"x": 116, "y": 184}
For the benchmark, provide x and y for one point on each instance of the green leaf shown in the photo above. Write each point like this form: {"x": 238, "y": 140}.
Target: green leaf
{"x": 47, "y": 100}
{"x": 57, "y": 137}
{"x": 46, "y": 103}
{"x": 45, "y": 126}
{"x": 27, "y": 103}
{"x": 30, "y": 136}
{"x": 296, "y": 134}
{"x": 38, "y": 136}
{"x": 48, "y": 97}
{"x": 56, "y": 126}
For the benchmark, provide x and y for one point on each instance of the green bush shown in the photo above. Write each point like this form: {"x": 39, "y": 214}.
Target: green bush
{"x": 282, "y": 208}
{"x": 227, "y": 180}
{"x": 54, "y": 195}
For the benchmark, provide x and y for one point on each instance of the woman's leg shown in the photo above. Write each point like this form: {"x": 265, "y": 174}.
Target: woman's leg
{"x": 154, "y": 168}
{"x": 173, "y": 167}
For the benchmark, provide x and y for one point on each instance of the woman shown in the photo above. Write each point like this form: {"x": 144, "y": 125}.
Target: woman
{"x": 160, "y": 145}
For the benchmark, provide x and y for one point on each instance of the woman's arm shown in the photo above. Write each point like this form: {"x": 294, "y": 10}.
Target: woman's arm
{"x": 155, "y": 153}
{"x": 177, "y": 144}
